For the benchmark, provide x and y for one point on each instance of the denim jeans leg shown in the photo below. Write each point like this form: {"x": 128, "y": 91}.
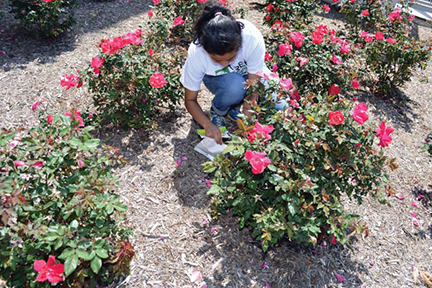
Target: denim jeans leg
{"x": 228, "y": 90}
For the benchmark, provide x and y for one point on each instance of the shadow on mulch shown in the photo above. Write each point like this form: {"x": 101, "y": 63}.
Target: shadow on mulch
{"x": 424, "y": 197}
{"x": 137, "y": 142}
{"x": 396, "y": 107}
{"x": 22, "y": 46}
{"x": 240, "y": 261}
{"x": 188, "y": 179}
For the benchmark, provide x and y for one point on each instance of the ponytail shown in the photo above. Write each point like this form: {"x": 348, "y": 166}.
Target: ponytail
{"x": 217, "y": 31}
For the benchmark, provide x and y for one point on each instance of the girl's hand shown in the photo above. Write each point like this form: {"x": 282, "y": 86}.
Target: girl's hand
{"x": 212, "y": 131}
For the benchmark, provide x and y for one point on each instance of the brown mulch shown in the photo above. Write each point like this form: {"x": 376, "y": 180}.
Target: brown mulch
{"x": 168, "y": 203}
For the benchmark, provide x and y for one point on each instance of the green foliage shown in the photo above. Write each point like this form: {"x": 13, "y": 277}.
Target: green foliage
{"x": 391, "y": 60}
{"x": 49, "y": 18}
{"x": 162, "y": 23}
{"x": 313, "y": 166}
{"x": 296, "y": 13}
{"x": 122, "y": 92}
{"x": 168, "y": 10}
{"x": 59, "y": 199}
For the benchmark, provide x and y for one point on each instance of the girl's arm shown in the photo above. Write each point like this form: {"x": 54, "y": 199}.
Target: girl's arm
{"x": 197, "y": 113}
{"x": 252, "y": 97}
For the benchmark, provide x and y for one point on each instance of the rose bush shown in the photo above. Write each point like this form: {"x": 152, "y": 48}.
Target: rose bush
{"x": 286, "y": 174}
{"x": 58, "y": 199}
{"x": 49, "y": 17}
{"x": 296, "y": 12}
{"x": 178, "y": 16}
{"x": 315, "y": 58}
{"x": 130, "y": 79}
{"x": 389, "y": 46}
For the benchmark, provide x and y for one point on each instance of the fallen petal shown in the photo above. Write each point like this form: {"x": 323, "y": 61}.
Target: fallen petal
{"x": 414, "y": 204}
{"x": 420, "y": 197}
{"x": 178, "y": 162}
{"x": 195, "y": 276}
{"x": 400, "y": 196}
{"x": 203, "y": 285}
{"x": 339, "y": 277}
{"x": 264, "y": 266}
{"x": 413, "y": 214}
{"x": 214, "y": 229}
{"x": 267, "y": 285}
{"x": 205, "y": 222}
{"x": 415, "y": 222}
{"x": 183, "y": 158}
{"x": 371, "y": 264}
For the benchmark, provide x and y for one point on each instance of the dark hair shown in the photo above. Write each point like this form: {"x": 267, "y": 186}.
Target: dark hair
{"x": 217, "y": 31}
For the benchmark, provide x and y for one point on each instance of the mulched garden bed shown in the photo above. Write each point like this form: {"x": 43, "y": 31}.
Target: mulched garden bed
{"x": 168, "y": 204}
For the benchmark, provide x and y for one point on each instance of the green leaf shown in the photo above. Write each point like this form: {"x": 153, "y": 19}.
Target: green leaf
{"x": 83, "y": 254}
{"x": 229, "y": 148}
{"x": 214, "y": 190}
{"x": 100, "y": 243}
{"x": 71, "y": 264}
{"x": 4, "y": 138}
{"x": 51, "y": 236}
{"x": 109, "y": 209}
{"x": 209, "y": 167}
{"x": 66, "y": 253}
{"x": 102, "y": 253}
{"x": 99, "y": 222}
{"x": 96, "y": 264}
{"x": 292, "y": 209}
{"x": 75, "y": 143}
{"x": 92, "y": 143}
{"x": 73, "y": 225}
{"x": 120, "y": 207}
{"x": 58, "y": 243}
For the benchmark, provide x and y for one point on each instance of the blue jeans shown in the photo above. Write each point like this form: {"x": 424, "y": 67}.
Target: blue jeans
{"x": 228, "y": 90}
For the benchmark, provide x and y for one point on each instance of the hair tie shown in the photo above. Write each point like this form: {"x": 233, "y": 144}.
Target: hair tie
{"x": 218, "y": 13}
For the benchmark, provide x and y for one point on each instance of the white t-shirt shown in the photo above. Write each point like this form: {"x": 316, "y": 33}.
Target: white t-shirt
{"x": 249, "y": 60}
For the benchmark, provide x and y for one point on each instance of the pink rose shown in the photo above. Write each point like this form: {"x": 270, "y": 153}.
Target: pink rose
{"x": 257, "y": 160}
{"x": 157, "y": 80}
{"x": 384, "y": 134}
{"x": 359, "y": 113}
{"x": 178, "y": 21}
{"x": 336, "y": 118}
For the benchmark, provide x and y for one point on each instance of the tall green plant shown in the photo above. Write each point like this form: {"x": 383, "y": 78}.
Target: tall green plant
{"x": 49, "y": 18}
{"x": 57, "y": 190}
